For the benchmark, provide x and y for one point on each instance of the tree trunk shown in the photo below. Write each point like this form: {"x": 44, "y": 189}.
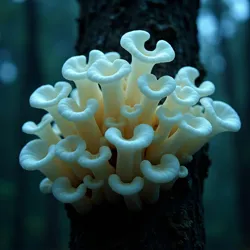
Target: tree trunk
{"x": 176, "y": 221}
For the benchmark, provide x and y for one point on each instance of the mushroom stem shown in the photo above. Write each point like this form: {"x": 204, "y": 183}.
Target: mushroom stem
{"x": 148, "y": 109}
{"x": 130, "y": 191}
{"x": 43, "y": 129}
{"x": 66, "y": 127}
{"x": 84, "y": 121}
{"x": 129, "y": 149}
{"x": 150, "y": 192}
{"x": 133, "y": 94}
{"x": 90, "y": 90}
{"x": 113, "y": 99}
{"x": 98, "y": 163}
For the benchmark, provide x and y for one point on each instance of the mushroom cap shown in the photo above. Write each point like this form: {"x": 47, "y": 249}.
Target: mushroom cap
{"x": 156, "y": 89}
{"x": 92, "y": 183}
{"x": 195, "y": 126}
{"x": 221, "y": 115}
{"x": 70, "y": 110}
{"x": 134, "y": 41}
{"x": 105, "y": 72}
{"x": 119, "y": 122}
{"x": 76, "y": 67}
{"x": 47, "y": 95}
{"x": 142, "y": 138}
{"x": 46, "y": 186}
{"x": 187, "y": 75}
{"x": 170, "y": 117}
{"x": 183, "y": 172}
{"x": 131, "y": 112}
{"x": 70, "y": 148}
{"x": 64, "y": 192}
{"x": 36, "y": 154}
{"x": 185, "y": 96}
{"x": 32, "y": 128}
{"x": 122, "y": 188}
{"x": 89, "y": 160}
{"x": 112, "y": 56}
{"x": 167, "y": 171}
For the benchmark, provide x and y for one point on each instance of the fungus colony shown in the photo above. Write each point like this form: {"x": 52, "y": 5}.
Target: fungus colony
{"x": 114, "y": 111}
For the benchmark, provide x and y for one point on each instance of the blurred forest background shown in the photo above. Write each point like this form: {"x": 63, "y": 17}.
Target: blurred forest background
{"x": 36, "y": 37}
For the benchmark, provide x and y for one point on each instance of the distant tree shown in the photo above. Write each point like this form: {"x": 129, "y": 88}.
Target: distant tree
{"x": 176, "y": 221}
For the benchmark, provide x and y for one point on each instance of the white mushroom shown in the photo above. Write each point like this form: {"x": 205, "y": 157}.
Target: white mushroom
{"x": 189, "y": 128}
{"x": 153, "y": 91}
{"x": 75, "y": 69}
{"x": 221, "y": 115}
{"x": 43, "y": 129}
{"x": 155, "y": 175}
{"x": 129, "y": 151}
{"x": 109, "y": 75}
{"x": 38, "y": 155}
{"x": 95, "y": 186}
{"x": 46, "y": 186}
{"x": 74, "y": 95}
{"x": 47, "y": 97}
{"x": 142, "y": 59}
{"x": 119, "y": 123}
{"x": 84, "y": 120}
{"x": 167, "y": 120}
{"x": 69, "y": 150}
{"x": 98, "y": 163}
{"x": 132, "y": 114}
{"x": 112, "y": 56}
{"x": 65, "y": 193}
{"x": 182, "y": 99}
{"x": 129, "y": 191}
{"x": 186, "y": 76}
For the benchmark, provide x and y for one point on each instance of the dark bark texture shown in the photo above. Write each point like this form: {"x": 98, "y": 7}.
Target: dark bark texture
{"x": 176, "y": 221}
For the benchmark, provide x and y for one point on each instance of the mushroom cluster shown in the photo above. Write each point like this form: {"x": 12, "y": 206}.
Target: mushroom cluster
{"x": 110, "y": 138}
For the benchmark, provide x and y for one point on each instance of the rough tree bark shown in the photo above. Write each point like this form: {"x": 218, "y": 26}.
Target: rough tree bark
{"x": 176, "y": 221}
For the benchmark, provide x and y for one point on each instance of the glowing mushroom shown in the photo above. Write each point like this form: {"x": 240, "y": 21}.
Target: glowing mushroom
{"x": 155, "y": 175}
{"x": 167, "y": 120}
{"x": 65, "y": 193}
{"x": 84, "y": 120}
{"x": 132, "y": 115}
{"x": 142, "y": 59}
{"x": 97, "y": 163}
{"x": 43, "y": 129}
{"x": 109, "y": 75}
{"x": 222, "y": 118}
{"x": 182, "y": 99}
{"x": 96, "y": 187}
{"x": 75, "y": 69}
{"x": 189, "y": 128}
{"x": 112, "y": 56}
{"x": 47, "y": 97}
{"x": 45, "y": 186}
{"x": 186, "y": 76}
{"x": 130, "y": 191}
{"x": 69, "y": 150}
{"x": 129, "y": 151}
{"x": 38, "y": 155}
{"x": 221, "y": 115}
{"x": 153, "y": 91}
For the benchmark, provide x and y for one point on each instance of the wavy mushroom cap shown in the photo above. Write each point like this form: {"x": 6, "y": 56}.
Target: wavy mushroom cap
{"x": 222, "y": 116}
{"x": 47, "y": 95}
{"x": 70, "y": 148}
{"x": 134, "y": 42}
{"x": 105, "y": 72}
{"x": 76, "y": 67}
